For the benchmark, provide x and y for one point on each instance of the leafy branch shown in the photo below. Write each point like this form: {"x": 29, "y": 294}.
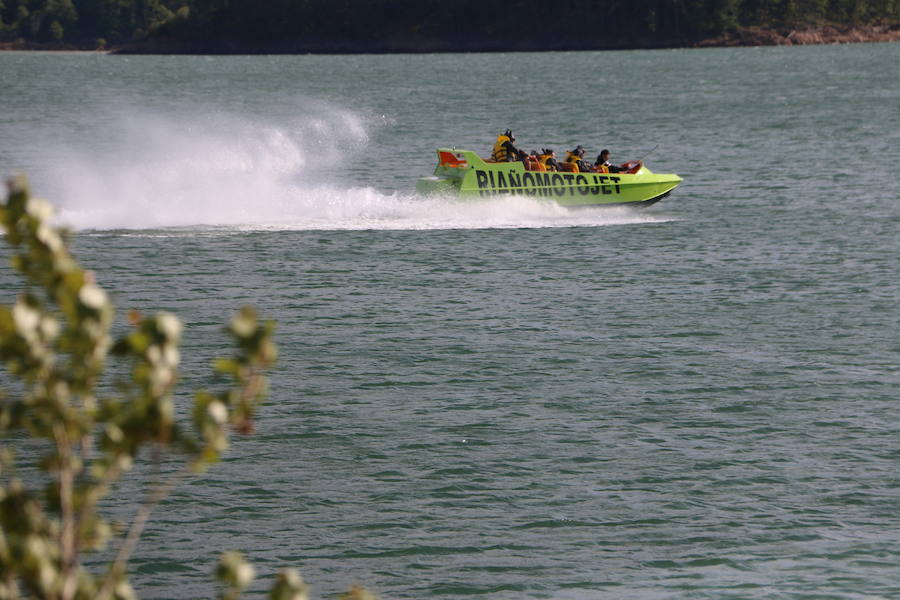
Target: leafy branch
{"x": 55, "y": 340}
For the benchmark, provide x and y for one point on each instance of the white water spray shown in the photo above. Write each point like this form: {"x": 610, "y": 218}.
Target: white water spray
{"x": 220, "y": 170}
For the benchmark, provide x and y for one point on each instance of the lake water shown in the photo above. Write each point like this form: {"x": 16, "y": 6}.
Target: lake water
{"x": 505, "y": 399}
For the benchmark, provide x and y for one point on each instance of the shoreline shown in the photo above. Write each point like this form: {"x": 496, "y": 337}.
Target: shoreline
{"x": 748, "y": 37}
{"x": 828, "y": 34}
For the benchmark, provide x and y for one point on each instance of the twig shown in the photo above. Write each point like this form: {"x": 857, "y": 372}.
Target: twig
{"x": 137, "y": 527}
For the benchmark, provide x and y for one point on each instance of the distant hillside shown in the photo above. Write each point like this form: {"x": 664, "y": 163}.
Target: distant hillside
{"x": 224, "y": 26}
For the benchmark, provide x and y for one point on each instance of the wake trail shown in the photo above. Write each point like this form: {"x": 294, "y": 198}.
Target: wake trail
{"x": 228, "y": 171}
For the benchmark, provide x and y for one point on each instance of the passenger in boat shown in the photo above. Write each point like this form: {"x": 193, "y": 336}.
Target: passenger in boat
{"x": 575, "y": 161}
{"x": 547, "y": 157}
{"x": 504, "y": 151}
{"x": 603, "y": 165}
{"x": 533, "y": 162}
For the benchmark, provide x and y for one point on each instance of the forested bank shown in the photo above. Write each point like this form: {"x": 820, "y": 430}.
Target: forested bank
{"x": 217, "y": 26}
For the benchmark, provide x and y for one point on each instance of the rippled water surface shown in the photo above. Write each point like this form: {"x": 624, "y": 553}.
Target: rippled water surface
{"x": 506, "y": 399}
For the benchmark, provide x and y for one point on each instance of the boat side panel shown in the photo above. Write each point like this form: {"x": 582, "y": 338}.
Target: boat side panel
{"x": 568, "y": 189}
{"x": 469, "y": 175}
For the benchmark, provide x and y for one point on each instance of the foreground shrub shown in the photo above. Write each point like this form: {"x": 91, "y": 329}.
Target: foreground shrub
{"x": 55, "y": 342}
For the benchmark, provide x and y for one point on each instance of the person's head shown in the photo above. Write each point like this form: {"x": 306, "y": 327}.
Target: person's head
{"x": 548, "y": 152}
{"x": 578, "y": 151}
{"x": 604, "y": 156}
{"x": 508, "y": 133}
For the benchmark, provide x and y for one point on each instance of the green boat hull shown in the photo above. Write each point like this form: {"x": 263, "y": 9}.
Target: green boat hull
{"x": 465, "y": 174}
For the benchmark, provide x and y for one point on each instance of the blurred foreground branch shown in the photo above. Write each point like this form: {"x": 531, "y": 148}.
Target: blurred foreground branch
{"x": 55, "y": 340}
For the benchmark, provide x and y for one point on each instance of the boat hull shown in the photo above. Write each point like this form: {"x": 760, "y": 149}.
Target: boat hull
{"x": 463, "y": 173}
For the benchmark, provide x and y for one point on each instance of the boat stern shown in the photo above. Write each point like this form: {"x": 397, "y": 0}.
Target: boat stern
{"x": 434, "y": 186}
{"x": 452, "y": 168}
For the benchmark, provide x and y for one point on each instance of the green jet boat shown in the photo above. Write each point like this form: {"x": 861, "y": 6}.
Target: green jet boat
{"x": 463, "y": 173}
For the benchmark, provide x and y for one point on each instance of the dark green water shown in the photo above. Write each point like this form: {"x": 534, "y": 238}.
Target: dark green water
{"x": 508, "y": 400}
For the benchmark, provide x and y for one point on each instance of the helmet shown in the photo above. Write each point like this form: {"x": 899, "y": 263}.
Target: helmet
{"x": 508, "y": 133}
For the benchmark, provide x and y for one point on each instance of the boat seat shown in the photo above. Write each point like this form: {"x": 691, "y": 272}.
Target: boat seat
{"x": 632, "y": 166}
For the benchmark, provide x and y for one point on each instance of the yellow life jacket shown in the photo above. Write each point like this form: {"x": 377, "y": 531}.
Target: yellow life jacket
{"x": 601, "y": 168}
{"x": 573, "y": 159}
{"x": 499, "y": 153}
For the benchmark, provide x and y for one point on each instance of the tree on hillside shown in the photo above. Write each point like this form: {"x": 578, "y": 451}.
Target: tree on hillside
{"x": 379, "y": 24}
